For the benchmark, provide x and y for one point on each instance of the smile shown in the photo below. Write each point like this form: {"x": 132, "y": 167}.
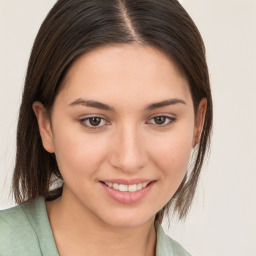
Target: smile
{"x": 130, "y": 193}
{"x": 127, "y": 188}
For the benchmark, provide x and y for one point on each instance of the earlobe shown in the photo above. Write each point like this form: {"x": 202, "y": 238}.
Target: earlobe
{"x": 44, "y": 126}
{"x": 199, "y": 121}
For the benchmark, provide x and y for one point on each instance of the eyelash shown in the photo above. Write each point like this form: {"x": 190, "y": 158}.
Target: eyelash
{"x": 170, "y": 120}
{"x": 86, "y": 122}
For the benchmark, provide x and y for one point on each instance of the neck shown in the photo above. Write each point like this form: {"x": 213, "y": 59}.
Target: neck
{"x": 72, "y": 226}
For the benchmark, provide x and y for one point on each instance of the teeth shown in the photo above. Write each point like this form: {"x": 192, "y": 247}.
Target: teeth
{"x": 110, "y": 184}
{"x": 132, "y": 188}
{"x": 115, "y": 186}
{"x": 125, "y": 188}
{"x": 139, "y": 186}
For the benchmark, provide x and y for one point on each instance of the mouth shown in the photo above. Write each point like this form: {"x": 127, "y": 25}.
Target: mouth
{"x": 130, "y": 193}
{"x": 127, "y": 188}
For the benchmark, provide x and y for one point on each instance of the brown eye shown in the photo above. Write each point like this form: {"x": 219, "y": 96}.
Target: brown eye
{"x": 93, "y": 122}
{"x": 160, "y": 120}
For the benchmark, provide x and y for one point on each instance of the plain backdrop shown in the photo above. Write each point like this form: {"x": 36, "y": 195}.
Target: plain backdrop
{"x": 222, "y": 221}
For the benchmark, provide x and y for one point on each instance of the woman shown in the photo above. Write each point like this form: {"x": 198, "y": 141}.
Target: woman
{"x": 116, "y": 100}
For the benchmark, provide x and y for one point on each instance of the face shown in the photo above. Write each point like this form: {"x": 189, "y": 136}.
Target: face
{"x": 122, "y": 129}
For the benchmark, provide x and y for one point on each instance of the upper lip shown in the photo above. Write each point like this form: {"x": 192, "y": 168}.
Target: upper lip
{"x": 127, "y": 182}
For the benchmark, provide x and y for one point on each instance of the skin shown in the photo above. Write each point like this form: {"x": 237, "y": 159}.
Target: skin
{"x": 128, "y": 143}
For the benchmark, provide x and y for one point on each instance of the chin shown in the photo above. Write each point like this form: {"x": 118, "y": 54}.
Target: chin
{"x": 128, "y": 220}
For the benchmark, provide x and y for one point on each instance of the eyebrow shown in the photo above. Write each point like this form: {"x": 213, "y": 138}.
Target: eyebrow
{"x": 165, "y": 103}
{"x": 102, "y": 106}
{"x": 91, "y": 103}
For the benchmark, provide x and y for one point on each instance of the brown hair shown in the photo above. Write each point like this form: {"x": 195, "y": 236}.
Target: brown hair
{"x": 74, "y": 27}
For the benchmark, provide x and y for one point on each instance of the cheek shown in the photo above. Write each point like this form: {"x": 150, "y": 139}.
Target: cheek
{"x": 171, "y": 158}
{"x": 78, "y": 153}
{"x": 172, "y": 153}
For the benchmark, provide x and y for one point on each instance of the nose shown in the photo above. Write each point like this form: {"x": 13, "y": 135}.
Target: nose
{"x": 128, "y": 152}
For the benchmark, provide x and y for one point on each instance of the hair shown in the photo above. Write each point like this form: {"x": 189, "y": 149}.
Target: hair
{"x": 74, "y": 27}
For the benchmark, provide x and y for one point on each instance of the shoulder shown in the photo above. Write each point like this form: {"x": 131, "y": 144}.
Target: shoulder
{"x": 10, "y": 217}
{"x": 17, "y": 230}
{"x": 18, "y": 217}
{"x": 166, "y": 246}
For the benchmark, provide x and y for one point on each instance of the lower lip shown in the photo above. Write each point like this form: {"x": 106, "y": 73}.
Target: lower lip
{"x": 127, "y": 197}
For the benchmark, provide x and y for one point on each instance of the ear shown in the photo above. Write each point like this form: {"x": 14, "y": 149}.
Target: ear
{"x": 199, "y": 121}
{"x": 44, "y": 126}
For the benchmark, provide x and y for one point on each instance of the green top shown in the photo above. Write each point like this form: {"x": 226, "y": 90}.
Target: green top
{"x": 25, "y": 230}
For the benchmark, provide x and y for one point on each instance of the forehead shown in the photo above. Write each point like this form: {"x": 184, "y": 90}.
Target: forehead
{"x": 127, "y": 70}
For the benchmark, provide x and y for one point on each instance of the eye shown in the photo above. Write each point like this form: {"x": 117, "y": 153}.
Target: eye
{"x": 93, "y": 122}
{"x": 162, "y": 120}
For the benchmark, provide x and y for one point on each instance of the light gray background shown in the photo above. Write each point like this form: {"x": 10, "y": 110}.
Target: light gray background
{"x": 223, "y": 218}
